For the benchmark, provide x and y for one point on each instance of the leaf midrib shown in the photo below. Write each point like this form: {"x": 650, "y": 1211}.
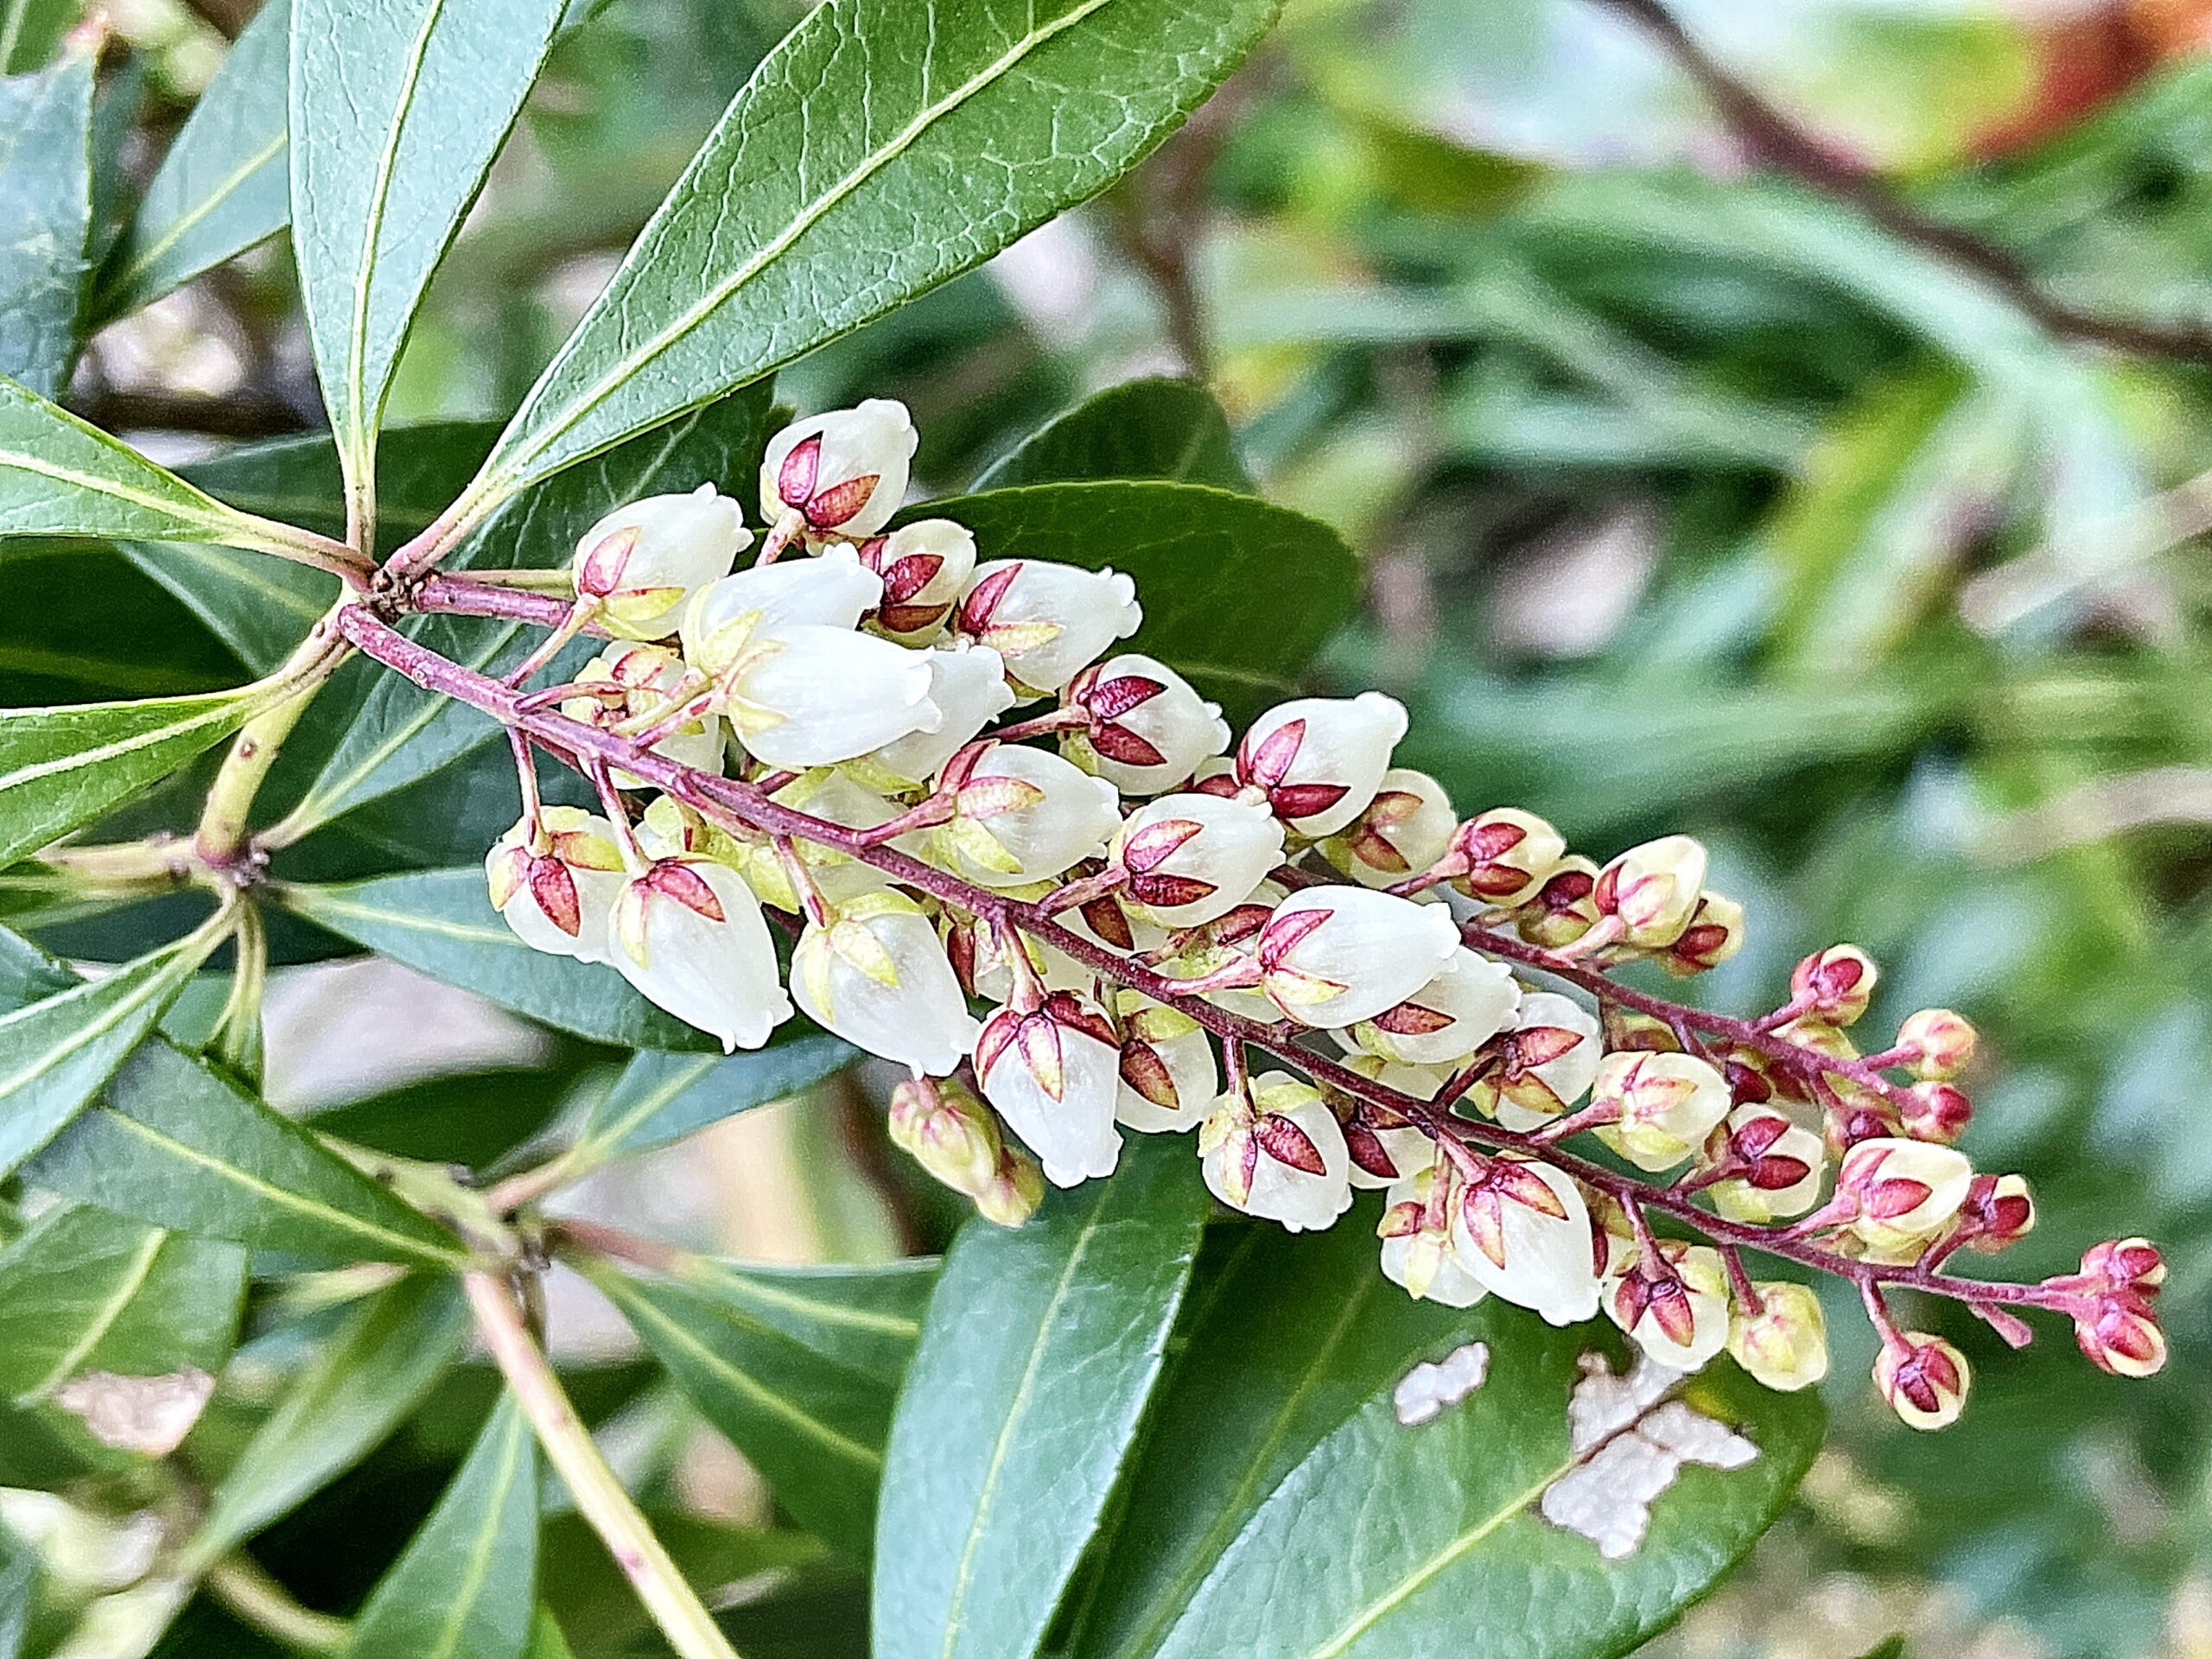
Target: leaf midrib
{"x": 78, "y": 758}
{"x": 134, "y": 1281}
{"x": 488, "y": 1541}
{"x": 600, "y": 1142}
{"x": 129, "y": 276}
{"x": 159, "y": 973}
{"x": 858, "y": 1318}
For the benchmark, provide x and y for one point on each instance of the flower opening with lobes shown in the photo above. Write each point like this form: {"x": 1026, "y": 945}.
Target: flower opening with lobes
{"x": 1106, "y": 908}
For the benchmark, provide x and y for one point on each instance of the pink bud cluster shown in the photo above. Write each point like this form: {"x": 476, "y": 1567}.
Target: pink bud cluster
{"x": 1043, "y": 876}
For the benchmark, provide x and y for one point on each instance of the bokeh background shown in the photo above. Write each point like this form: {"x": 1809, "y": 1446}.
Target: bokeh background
{"x": 1820, "y": 473}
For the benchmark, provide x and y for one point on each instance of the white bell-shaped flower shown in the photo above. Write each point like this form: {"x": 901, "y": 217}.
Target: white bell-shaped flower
{"x": 1676, "y": 1310}
{"x": 734, "y": 615}
{"x": 1651, "y": 891}
{"x": 1668, "y": 1103}
{"x": 1054, "y": 1076}
{"x": 1469, "y": 1001}
{"x": 1904, "y": 1192}
{"x": 1784, "y": 1165}
{"x": 690, "y": 935}
{"x": 1148, "y": 729}
{"x": 1279, "y": 1154}
{"x": 1169, "y": 1076}
{"x": 924, "y": 566}
{"x": 1522, "y": 1229}
{"x": 876, "y": 976}
{"x": 1193, "y": 858}
{"x": 1022, "y": 815}
{"x": 1418, "y": 1253}
{"x": 643, "y": 561}
{"x": 1320, "y": 759}
{"x": 967, "y": 684}
{"x": 844, "y": 471}
{"x": 830, "y": 795}
{"x": 1546, "y": 1062}
{"x": 557, "y": 898}
{"x": 1337, "y": 955}
{"x": 813, "y": 697}
{"x": 632, "y": 680}
{"x": 1048, "y": 621}
{"x": 1404, "y": 829}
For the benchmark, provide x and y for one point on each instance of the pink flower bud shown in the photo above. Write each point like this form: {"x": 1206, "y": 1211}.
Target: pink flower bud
{"x": 557, "y": 898}
{"x": 1903, "y": 1193}
{"x": 1653, "y": 890}
{"x": 1054, "y": 1075}
{"x": 1668, "y": 1103}
{"x": 1783, "y": 1162}
{"x": 1785, "y": 1343}
{"x": 1563, "y": 907}
{"x": 1403, "y": 832}
{"x": 1148, "y": 730}
{"x": 2120, "y": 1334}
{"x": 2129, "y": 1264}
{"x": 1505, "y": 856}
{"x": 1835, "y": 985}
{"x": 1937, "y": 1112}
{"x": 1675, "y": 1307}
{"x": 1999, "y": 1212}
{"x": 1924, "y": 1379}
{"x": 1192, "y": 858}
{"x": 1523, "y": 1231}
{"x": 1278, "y": 1155}
{"x": 1417, "y": 1234}
{"x": 948, "y": 1132}
{"x": 1021, "y": 815}
{"x": 1544, "y": 1064}
{"x": 876, "y": 976}
{"x": 1468, "y": 1002}
{"x": 633, "y": 680}
{"x": 1940, "y": 1044}
{"x": 1047, "y": 621}
{"x": 924, "y": 566}
{"x": 689, "y": 935}
{"x": 1011, "y": 1197}
{"x": 1337, "y": 955}
{"x": 645, "y": 560}
{"x": 1715, "y": 933}
{"x": 1169, "y": 1080}
{"x": 1320, "y": 759}
{"x": 842, "y": 472}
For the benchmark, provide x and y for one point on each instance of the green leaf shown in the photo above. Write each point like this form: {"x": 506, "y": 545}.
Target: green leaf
{"x": 866, "y": 1318}
{"x": 77, "y": 622}
{"x": 1040, "y": 1348}
{"x": 56, "y": 1054}
{"x": 464, "y": 1588}
{"x": 62, "y": 767}
{"x": 598, "y": 1606}
{"x": 546, "y": 1641}
{"x": 30, "y": 31}
{"x": 46, "y": 197}
{"x": 224, "y": 186}
{"x": 1238, "y": 595}
{"x": 815, "y": 1427}
{"x": 470, "y": 1118}
{"x": 441, "y": 923}
{"x": 1164, "y": 428}
{"x": 397, "y": 107}
{"x": 19, "y": 1587}
{"x": 176, "y": 1144}
{"x": 373, "y": 1372}
{"x": 885, "y": 146}
{"x": 663, "y": 1097}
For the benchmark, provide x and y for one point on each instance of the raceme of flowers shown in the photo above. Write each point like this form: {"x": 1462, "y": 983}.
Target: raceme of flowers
{"x": 980, "y": 715}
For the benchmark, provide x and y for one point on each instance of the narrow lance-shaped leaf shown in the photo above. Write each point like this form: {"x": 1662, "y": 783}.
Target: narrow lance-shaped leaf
{"x": 60, "y": 768}
{"x": 883, "y": 146}
{"x": 1039, "y": 1350}
{"x": 663, "y": 1097}
{"x": 176, "y": 1144}
{"x": 224, "y": 186}
{"x": 397, "y": 107}
{"x": 868, "y": 1317}
{"x": 55, "y": 1055}
{"x": 30, "y": 30}
{"x": 465, "y": 1586}
{"x": 45, "y": 200}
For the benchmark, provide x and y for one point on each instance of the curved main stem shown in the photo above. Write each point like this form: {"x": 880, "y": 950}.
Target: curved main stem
{"x": 737, "y": 805}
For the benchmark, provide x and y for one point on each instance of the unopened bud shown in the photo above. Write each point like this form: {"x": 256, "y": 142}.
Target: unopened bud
{"x": 924, "y": 566}
{"x": 1047, "y": 621}
{"x": 2133, "y": 1264}
{"x": 1715, "y": 933}
{"x": 1337, "y": 955}
{"x": 1193, "y": 858}
{"x": 2000, "y": 1211}
{"x": 1149, "y": 730}
{"x": 1924, "y": 1379}
{"x": 1022, "y": 815}
{"x": 1320, "y": 760}
{"x": 1505, "y": 855}
{"x": 1012, "y": 1195}
{"x": 1783, "y": 1162}
{"x": 1667, "y": 1104}
{"x": 1054, "y": 1075}
{"x": 1652, "y": 889}
{"x": 1278, "y": 1154}
{"x": 948, "y": 1132}
{"x": 1676, "y": 1306}
{"x": 1563, "y": 907}
{"x": 1937, "y": 1111}
{"x": 844, "y": 471}
{"x": 1545, "y": 1063}
{"x": 1631, "y": 1030}
{"x": 643, "y": 561}
{"x": 556, "y": 884}
{"x": 1904, "y": 1193}
{"x": 1940, "y": 1043}
{"x": 2120, "y": 1334}
{"x": 1417, "y": 1249}
{"x": 1834, "y": 985}
{"x": 1785, "y": 1343}
{"x": 1403, "y": 830}
{"x": 1469, "y": 1001}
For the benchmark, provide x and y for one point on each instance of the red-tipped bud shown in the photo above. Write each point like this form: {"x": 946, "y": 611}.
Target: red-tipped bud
{"x": 1937, "y": 1111}
{"x": 1504, "y": 856}
{"x": 1715, "y": 933}
{"x": 1834, "y": 985}
{"x": 1562, "y": 908}
{"x": 1924, "y": 1379}
{"x": 1936, "y": 1044}
{"x": 1998, "y": 1211}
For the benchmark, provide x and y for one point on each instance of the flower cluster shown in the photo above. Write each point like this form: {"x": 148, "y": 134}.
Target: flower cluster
{"x": 1054, "y": 886}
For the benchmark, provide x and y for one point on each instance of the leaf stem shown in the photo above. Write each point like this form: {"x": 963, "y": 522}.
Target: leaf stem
{"x": 249, "y": 1593}
{"x": 220, "y": 841}
{"x": 601, "y": 1496}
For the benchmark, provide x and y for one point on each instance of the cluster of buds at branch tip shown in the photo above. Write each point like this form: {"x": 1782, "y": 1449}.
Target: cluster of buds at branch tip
{"x": 1001, "y": 847}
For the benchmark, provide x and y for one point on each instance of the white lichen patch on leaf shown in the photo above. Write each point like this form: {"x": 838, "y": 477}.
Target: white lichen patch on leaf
{"x": 1629, "y": 1440}
{"x": 150, "y": 1415}
{"x": 1424, "y": 1392}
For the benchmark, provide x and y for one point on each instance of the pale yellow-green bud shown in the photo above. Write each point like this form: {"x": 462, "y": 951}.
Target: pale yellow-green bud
{"x": 1785, "y": 1343}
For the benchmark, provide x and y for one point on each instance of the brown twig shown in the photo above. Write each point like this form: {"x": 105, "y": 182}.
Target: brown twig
{"x": 239, "y": 415}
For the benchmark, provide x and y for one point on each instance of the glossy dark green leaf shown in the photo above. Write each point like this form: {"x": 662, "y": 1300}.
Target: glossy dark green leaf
{"x": 441, "y": 923}
{"x": 1040, "y": 1348}
{"x": 546, "y": 1641}
{"x": 883, "y": 146}
{"x": 1238, "y": 595}
{"x": 373, "y": 1372}
{"x": 56, "y": 1054}
{"x": 78, "y": 621}
{"x": 814, "y": 1427}
{"x": 469, "y": 1118}
{"x": 46, "y": 197}
{"x": 224, "y": 186}
{"x": 866, "y": 1318}
{"x": 663, "y": 1097}
{"x": 465, "y": 1586}
{"x": 597, "y": 1607}
{"x": 176, "y": 1144}
{"x": 30, "y": 30}
{"x": 62, "y": 767}
{"x": 397, "y": 107}
{"x": 1164, "y": 428}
